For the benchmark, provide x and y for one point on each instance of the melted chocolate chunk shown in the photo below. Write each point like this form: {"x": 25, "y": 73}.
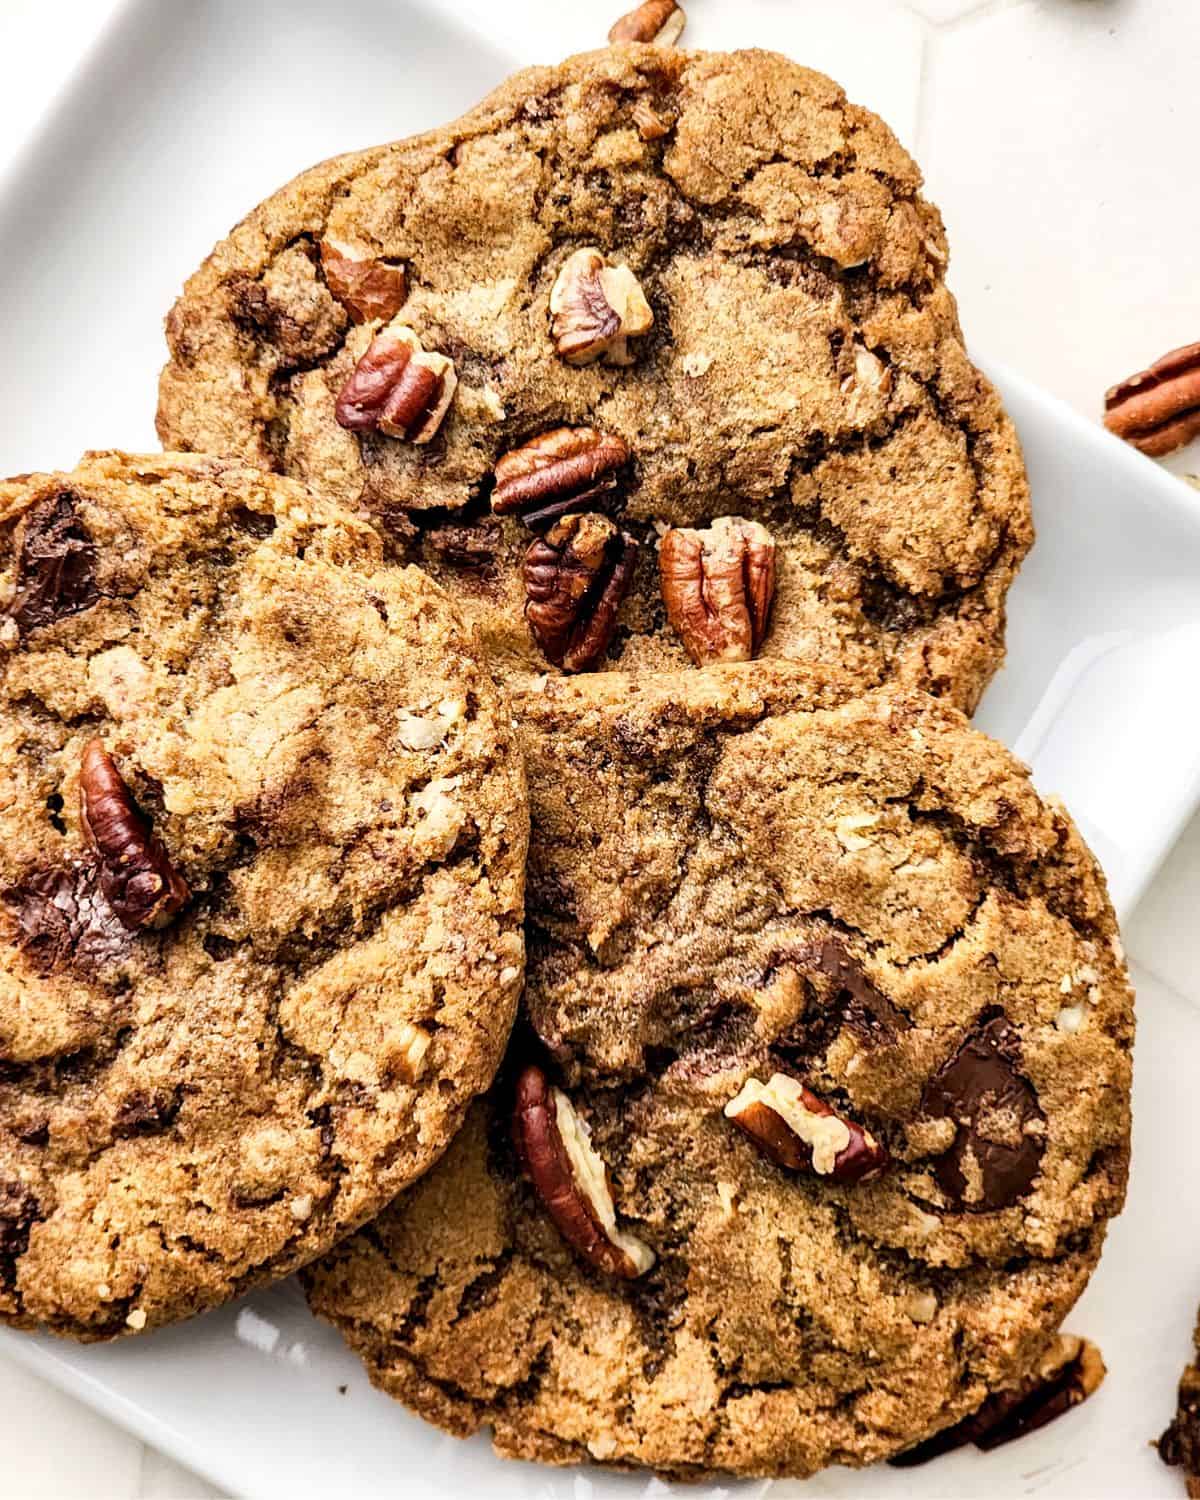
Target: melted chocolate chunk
{"x": 63, "y": 917}
{"x": 862, "y": 1006}
{"x": 56, "y": 571}
{"x": 851, "y": 1000}
{"x": 995, "y": 1155}
{"x": 19, "y": 1212}
{"x": 147, "y": 1112}
{"x": 1072, "y": 1372}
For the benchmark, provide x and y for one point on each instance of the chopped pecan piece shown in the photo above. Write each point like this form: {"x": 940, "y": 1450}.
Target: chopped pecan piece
{"x": 799, "y": 1131}
{"x": 870, "y": 374}
{"x": 1070, "y": 1371}
{"x": 718, "y": 585}
{"x": 658, "y": 21}
{"x": 566, "y": 469}
{"x": 398, "y": 388}
{"x": 595, "y": 308}
{"x": 575, "y": 579}
{"x": 555, "y": 1148}
{"x": 368, "y": 287}
{"x": 1158, "y": 410}
{"x": 136, "y": 874}
{"x": 1001, "y": 1132}
{"x": 56, "y": 568}
{"x": 651, "y": 126}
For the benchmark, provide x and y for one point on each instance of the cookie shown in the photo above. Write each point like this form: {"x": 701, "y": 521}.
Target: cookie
{"x": 1179, "y": 1445}
{"x": 262, "y": 841}
{"x": 623, "y": 299}
{"x": 835, "y": 1007}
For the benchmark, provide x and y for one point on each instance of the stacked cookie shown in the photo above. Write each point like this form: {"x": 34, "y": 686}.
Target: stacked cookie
{"x": 638, "y": 389}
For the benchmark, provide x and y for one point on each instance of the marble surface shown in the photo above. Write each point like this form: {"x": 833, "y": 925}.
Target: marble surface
{"x": 1058, "y": 137}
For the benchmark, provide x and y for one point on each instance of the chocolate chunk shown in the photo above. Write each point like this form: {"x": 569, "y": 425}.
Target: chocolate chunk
{"x": 63, "y": 917}
{"x": 862, "y": 1006}
{"x": 1071, "y": 1371}
{"x": 850, "y": 1000}
{"x": 996, "y": 1153}
{"x": 56, "y": 570}
{"x": 19, "y": 1212}
{"x": 147, "y": 1112}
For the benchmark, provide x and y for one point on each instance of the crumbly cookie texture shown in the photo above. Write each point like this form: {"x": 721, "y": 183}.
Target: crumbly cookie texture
{"x": 1179, "y": 1445}
{"x": 798, "y": 361}
{"x": 262, "y": 842}
{"x": 841, "y": 1006}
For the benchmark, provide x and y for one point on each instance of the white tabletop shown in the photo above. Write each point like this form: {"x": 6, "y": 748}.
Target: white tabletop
{"x": 1059, "y": 139}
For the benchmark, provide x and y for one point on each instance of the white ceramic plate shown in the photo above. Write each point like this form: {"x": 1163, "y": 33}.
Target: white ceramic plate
{"x": 184, "y": 116}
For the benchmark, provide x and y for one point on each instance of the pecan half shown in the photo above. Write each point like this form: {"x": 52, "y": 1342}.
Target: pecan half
{"x": 595, "y": 308}
{"x": 1070, "y": 1371}
{"x": 555, "y": 1148}
{"x": 368, "y": 287}
{"x": 659, "y": 21}
{"x": 566, "y": 469}
{"x": 1001, "y": 1133}
{"x": 1158, "y": 410}
{"x": 718, "y": 585}
{"x": 136, "y": 874}
{"x": 799, "y": 1131}
{"x": 56, "y": 568}
{"x": 575, "y": 579}
{"x": 398, "y": 388}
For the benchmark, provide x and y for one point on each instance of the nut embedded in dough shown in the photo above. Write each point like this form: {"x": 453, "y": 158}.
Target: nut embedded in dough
{"x": 797, "y": 1130}
{"x": 136, "y": 875}
{"x": 595, "y": 308}
{"x": 555, "y": 1147}
{"x": 575, "y": 579}
{"x": 566, "y": 469}
{"x": 366, "y": 286}
{"x": 717, "y": 585}
{"x": 398, "y": 388}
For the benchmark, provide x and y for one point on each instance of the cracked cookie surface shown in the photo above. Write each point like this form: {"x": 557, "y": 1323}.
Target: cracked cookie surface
{"x": 318, "y": 776}
{"x": 805, "y": 367}
{"x": 730, "y": 880}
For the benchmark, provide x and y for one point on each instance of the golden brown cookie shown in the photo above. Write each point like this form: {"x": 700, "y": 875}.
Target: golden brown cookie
{"x": 262, "y": 844}
{"x": 622, "y": 299}
{"x": 838, "y": 1004}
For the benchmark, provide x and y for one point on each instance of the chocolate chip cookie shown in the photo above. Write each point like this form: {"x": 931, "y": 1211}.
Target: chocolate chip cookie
{"x": 262, "y": 841}
{"x": 819, "y": 1105}
{"x": 649, "y": 359}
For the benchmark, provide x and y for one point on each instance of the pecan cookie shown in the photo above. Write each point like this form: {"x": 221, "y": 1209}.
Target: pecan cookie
{"x": 646, "y": 299}
{"x": 818, "y": 1110}
{"x": 262, "y": 840}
